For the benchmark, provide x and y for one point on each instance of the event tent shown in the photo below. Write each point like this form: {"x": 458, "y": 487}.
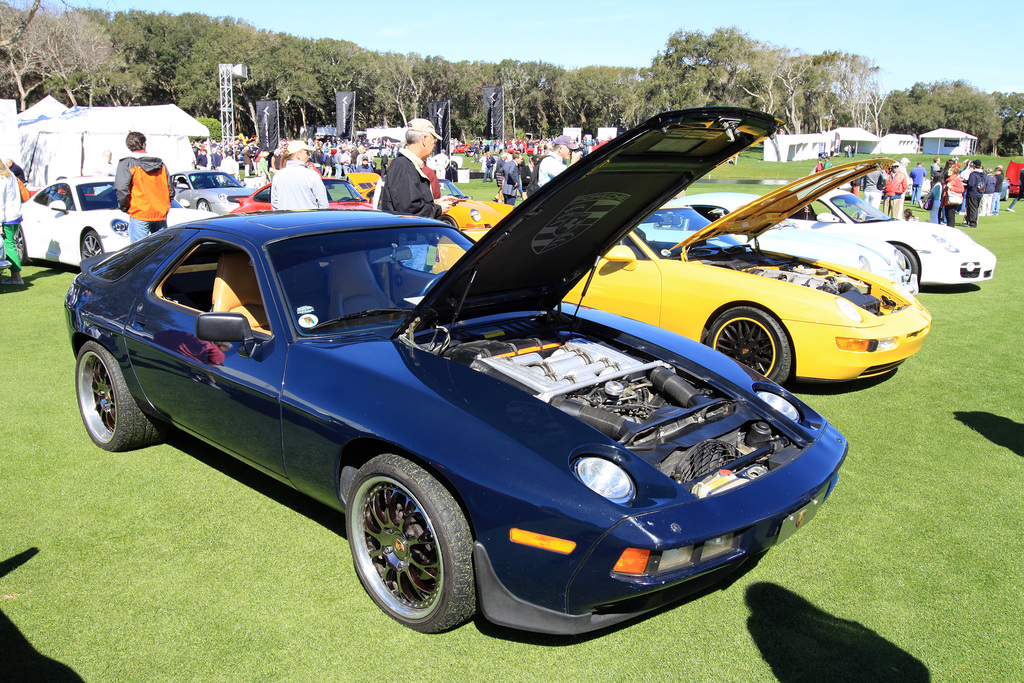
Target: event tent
{"x": 44, "y": 108}
{"x": 947, "y": 141}
{"x": 860, "y": 140}
{"x": 796, "y": 147}
{"x": 72, "y": 143}
{"x": 895, "y": 143}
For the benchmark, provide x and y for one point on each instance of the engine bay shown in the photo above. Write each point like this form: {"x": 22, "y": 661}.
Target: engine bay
{"x": 802, "y": 274}
{"x": 701, "y": 439}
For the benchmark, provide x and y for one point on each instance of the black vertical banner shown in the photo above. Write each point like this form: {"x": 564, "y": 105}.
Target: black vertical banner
{"x": 268, "y": 125}
{"x": 440, "y": 116}
{"x": 346, "y": 111}
{"x": 494, "y": 112}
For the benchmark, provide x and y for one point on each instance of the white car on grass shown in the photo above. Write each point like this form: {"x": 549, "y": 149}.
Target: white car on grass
{"x": 938, "y": 254}
{"x": 75, "y": 218}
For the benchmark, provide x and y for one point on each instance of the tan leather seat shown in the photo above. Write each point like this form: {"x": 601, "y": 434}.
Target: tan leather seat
{"x": 354, "y": 287}
{"x": 235, "y": 290}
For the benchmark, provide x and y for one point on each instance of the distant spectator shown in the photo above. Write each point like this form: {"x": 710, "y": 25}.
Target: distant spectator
{"x": 975, "y": 192}
{"x": 15, "y": 169}
{"x": 563, "y": 149}
{"x": 297, "y": 186}
{"x": 990, "y": 190}
{"x": 105, "y": 166}
{"x": 917, "y": 176}
{"x": 10, "y": 217}
{"x": 998, "y": 194}
{"x": 934, "y": 200}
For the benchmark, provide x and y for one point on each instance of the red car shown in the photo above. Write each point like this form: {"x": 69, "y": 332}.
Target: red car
{"x": 340, "y": 193}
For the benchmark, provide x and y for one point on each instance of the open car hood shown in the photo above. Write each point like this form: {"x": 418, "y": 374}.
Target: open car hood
{"x": 537, "y": 253}
{"x": 760, "y": 215}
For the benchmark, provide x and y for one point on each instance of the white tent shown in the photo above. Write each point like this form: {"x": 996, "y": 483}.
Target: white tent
{"x": 73, "y": 142}
{"x": 796, "y": 147}
{"x": 948, "y": 141}
{"x": 860, "y": 140}
{"x": 395, "y": 133}
{"x": 894, "y": 143}
{"x": 44, "y": 108}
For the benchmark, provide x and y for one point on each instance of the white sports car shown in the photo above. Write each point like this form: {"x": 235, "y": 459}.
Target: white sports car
{"x": 75, "y": 218}
{"x": 938, "y": 254}
{"x": 866, "y": 253}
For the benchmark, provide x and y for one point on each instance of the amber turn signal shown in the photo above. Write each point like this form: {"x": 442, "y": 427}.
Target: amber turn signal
{"x": 557, "y": 545}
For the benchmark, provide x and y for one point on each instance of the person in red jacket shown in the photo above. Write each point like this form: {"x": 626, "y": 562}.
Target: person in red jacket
{"x": 144, "y": 189}
{"x": 895, "y": 188}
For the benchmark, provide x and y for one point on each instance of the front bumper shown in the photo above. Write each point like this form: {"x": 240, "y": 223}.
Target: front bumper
{"x": 751, "y": 516}
{"x": 974, "y": 264}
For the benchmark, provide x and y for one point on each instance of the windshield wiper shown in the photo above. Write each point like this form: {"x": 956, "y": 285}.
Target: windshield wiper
{"x": 361, "y": 314}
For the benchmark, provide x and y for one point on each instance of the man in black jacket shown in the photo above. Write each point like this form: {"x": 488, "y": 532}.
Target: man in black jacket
{"x": 975, "y": 191}
{"x": 406, "y": 189}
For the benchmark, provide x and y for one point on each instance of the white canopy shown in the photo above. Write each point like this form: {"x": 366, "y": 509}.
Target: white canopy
{"x": 796, "y": 147}
{"x": 72, "y": 143}
{"x": 895, "y": 143}
{"x": 862, "y": 141}
{"x": 44, "y": 108}
{"x": 394, "y": 133}
{"x": 948, "y": 141}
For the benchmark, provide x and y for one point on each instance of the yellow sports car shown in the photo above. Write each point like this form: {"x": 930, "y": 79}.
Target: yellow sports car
{"x": 780, "y": 315}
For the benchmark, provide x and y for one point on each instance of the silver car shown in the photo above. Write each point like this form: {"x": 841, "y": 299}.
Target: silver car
{"x": 208, "y": 190}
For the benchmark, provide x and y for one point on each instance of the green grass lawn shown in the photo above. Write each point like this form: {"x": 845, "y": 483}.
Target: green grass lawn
{"x": 179, "y": 563}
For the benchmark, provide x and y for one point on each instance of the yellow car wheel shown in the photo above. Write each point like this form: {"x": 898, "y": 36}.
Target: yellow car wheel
{"x": 754, "y": 338}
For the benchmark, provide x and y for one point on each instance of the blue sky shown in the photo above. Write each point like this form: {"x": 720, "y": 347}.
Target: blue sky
{"x": 906, "y": 39}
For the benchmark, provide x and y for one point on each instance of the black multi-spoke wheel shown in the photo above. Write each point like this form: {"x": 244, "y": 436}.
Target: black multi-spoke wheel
{"x": 91, "y": 244}
{"x": 411, "y": 545}
{"x": 111, "y": 416}
{"x": 754, "y": 338}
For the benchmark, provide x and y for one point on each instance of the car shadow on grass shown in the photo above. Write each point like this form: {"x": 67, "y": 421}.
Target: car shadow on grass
{"x": 1002, "y": 431}
{"x": 950, "y": 289}
{"x": 20, "y": 661}
{"x": 247, "y": 475}
{"x": 803, "y": 643}
{"x": 486, "y": 628}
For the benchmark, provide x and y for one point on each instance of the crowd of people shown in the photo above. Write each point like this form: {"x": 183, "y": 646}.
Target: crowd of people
{"x": 944, "y": 190}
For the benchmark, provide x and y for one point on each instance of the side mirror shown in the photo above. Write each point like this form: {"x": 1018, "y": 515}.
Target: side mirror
{"x": 59, "y": 206}
{"x": 620, "y": 253}
{"x": 181, "y": 185}
{"x": 826, "y": 217}
{"x": 226, "y": 327}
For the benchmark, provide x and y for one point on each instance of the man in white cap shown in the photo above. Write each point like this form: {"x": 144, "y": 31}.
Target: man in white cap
{"x": 296, "y": 186}
{"x": 406, "y": 188}
{"x": 554, "y": 162}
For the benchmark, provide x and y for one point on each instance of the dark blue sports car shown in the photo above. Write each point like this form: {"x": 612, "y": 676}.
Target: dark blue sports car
{"x": 558, "y": 469}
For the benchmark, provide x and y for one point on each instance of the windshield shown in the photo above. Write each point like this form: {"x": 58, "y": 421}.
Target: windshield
{"x": 858, "y": 210}
{"x": 341, "y": 191}
{"x": 209, "y": 181}
{"x": 95, "y": 196}
{"x": 361, "y": 279}
{"x": 666, "y": 228}
{"x": 450, "y": 188}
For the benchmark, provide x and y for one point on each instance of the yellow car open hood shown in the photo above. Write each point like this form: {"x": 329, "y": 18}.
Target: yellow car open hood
{"x": 758, "y": 216}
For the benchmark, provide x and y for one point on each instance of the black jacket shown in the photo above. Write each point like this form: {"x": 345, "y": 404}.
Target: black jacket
{"x": 407, "y": 191}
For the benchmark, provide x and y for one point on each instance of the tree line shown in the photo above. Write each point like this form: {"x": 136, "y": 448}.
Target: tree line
{"x": 91, "y": 57}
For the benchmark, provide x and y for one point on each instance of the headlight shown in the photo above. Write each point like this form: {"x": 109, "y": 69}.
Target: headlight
{"x": 863, "y": 264}
{"x": 605, "y": 478}
{"x": 780, "y": 404}
{"x": 222, "y": 198}
{"x": 475, "y": 215}
{"x": 946, "y": 244}
{"x": 119, "y": 226}
{"x": 848, "y": 309}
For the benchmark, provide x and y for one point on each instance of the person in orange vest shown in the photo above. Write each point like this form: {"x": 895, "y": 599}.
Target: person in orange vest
{"x": 144, "y": 189}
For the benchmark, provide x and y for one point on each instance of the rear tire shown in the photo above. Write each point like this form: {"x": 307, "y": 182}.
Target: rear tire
{"x": 111, "y": 416}
{"x": 752, "y": 337}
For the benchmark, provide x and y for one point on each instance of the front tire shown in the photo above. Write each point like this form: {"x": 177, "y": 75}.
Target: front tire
{"x": 411, "y": 545}
{"x": 19, "y": 246}
{"x": 91, "y": 244}
{"x": 752, "y": 337}
{"x": 203, "y": 205}
{"x": 109, "y": 411}
{"x": 912, "y": 259}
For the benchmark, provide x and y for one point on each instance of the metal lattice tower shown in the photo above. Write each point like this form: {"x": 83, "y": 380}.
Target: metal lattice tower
{"x": 227, "y": 104}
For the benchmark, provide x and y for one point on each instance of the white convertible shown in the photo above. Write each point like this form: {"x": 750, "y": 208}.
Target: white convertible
{"x": 75, "y": 218}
